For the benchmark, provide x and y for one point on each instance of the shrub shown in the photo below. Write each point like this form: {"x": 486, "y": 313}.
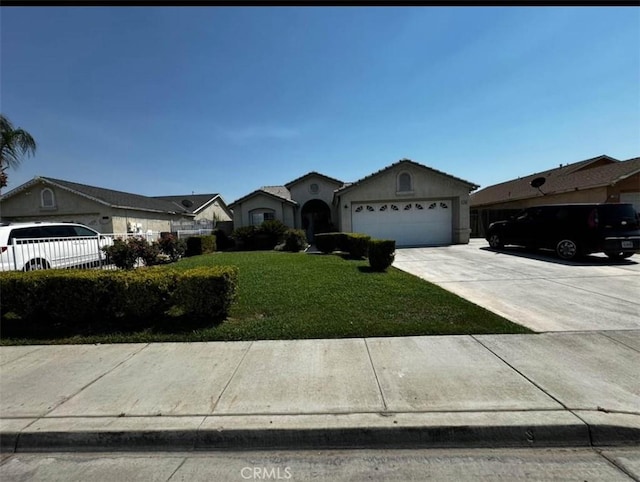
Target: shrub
{"x": 223, "y": 242}
{"x": 357, "y": 245}
{"x": 381, "y": 253}
{"x": 206, "y": 292}
{"x": 274, "y": 228}
{"x": 326, "y": 242}
{"x": 125, "y": 253}
{"x": 245, "y": 237}
{"x": 197, "y": 245}
{"x": 122, "y": 254}
{"x": 342, "y": 241}
{"x": 265, "y": 236}
{"x": 295, "y": 240}
{"x": 172, "y": 246}
{"x": 74, "y": 299}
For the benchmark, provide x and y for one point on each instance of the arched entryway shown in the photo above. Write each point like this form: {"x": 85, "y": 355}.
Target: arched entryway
{"x": 316, "y": 218}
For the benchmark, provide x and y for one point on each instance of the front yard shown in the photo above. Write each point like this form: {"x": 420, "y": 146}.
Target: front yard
{"x": 298, "y": 295}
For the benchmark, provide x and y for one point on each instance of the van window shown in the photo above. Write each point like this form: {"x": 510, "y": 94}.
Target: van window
{"x": 25, "y": 233}
{"x": 80, "y": 231}
{"x": 615, "y": 214}
{"x": 58, "y": 232}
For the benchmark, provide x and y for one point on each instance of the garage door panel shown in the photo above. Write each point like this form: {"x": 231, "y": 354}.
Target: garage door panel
{"x": 421, "y": 222}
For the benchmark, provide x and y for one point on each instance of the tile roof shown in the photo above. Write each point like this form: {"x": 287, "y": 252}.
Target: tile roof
{"x": 278, "y": 192}
{"x": 401, "y": 161}
{"x": 109, "y": 197}
{"x": 197, "y": 201}
{"x": 590, "y": 173}
{"x": 312, "y": 174}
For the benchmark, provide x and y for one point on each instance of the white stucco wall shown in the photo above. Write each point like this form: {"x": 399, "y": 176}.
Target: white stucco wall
{"x": 427, "y": 185}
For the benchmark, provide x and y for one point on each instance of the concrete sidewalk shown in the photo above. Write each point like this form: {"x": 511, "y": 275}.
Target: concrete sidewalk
{"x": 560, "y": 389}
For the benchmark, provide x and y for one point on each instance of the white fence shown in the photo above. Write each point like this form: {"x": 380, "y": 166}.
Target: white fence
{"x": 185, "y": 233}
{"x": 25, "y": 254}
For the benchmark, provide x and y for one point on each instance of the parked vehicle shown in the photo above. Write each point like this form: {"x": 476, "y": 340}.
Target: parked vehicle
{"x": 43, "y": 245}
{"x": 572, "y": 230}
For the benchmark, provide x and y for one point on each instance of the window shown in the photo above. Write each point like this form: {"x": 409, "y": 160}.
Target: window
{"x": 404, "y": 182}
{"x": 47, "y": 199}
{"x": 314, "y": 188}
{"x": 258, "y": 217}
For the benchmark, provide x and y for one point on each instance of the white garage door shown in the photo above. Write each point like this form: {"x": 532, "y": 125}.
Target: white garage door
{"x": 410, "y": 223}
{"x": 631, "y": 197}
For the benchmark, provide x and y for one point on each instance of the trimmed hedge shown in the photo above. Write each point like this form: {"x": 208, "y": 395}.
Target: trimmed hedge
{"x": 197, "y": 245}
{"x": 295, "y": 240}
{"x": 206, "y": 292}
{"x": 326, "y": 242}
{"x": 381, "y": 253}
{"x": 77, "y": 298}
{"x": 357, "y": 245}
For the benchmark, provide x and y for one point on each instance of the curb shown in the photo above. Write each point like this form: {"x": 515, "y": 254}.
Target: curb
{"x": 282, "y": 432}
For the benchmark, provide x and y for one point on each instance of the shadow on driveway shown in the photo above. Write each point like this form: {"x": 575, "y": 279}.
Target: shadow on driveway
{"x": 550, "y": 257}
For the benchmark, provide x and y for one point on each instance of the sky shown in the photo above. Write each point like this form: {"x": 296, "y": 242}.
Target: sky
{"x": 175, "y": 100}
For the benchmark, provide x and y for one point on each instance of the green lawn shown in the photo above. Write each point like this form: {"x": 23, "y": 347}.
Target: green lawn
{"x": 298, "y": 295}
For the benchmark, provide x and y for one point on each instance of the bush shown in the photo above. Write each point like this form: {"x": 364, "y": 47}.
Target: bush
{"x": 326, "y": 242}
{"x": 245, "y": 237}
{"x": 172, "y": 246}
{"x": 223, "y": 242}
{"x": 74, "y": 299}
{"x": 265, "y": 236}
{"x": 197, "y": 245}
{"x": 357, "y": 245}
{"x": 122, "y": 253}
{"x": 381, "y": 253}
{"x": 206, "y": 292}
{"x": 125, "y": 253}
{"x": 295, "y": 240}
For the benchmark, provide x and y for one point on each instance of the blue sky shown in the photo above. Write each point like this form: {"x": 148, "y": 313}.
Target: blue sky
{"x": 170, "y": 100}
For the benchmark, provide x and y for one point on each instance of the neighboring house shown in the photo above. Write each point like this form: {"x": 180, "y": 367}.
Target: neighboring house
{"x": 106, "y": 210}
{"x": 411, "y": 203}
{"x": 601, "y": 179}
{"x": 209, "y": 210}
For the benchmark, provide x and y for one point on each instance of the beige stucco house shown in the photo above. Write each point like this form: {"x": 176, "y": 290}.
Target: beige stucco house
{"x": 107, "y": 210}
{"x": 406, "y": 201}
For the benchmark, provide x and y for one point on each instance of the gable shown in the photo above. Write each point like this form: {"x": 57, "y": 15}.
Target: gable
{"x": 387, "y": 180}
{"x": 314, "y": 176}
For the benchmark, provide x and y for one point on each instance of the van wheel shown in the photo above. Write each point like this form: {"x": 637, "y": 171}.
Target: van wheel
{"x": 567, "y": 249}
{"x": 618, "y": 254}
{"x": 36, "y": 264}
{"x": 495, "y": 241}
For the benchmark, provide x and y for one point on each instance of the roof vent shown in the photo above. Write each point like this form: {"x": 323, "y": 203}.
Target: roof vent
{"x": 187, "y": 203}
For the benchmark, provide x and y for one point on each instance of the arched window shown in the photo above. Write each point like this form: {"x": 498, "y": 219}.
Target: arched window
{"x": 404, "y": 182}
{"x": 47, "y": 199}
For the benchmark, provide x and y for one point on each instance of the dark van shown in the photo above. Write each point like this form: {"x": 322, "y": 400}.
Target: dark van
{"x": 572, "y": 230}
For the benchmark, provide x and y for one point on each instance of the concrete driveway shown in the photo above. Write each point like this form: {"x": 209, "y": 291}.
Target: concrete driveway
{"x": 534, "y": 289}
